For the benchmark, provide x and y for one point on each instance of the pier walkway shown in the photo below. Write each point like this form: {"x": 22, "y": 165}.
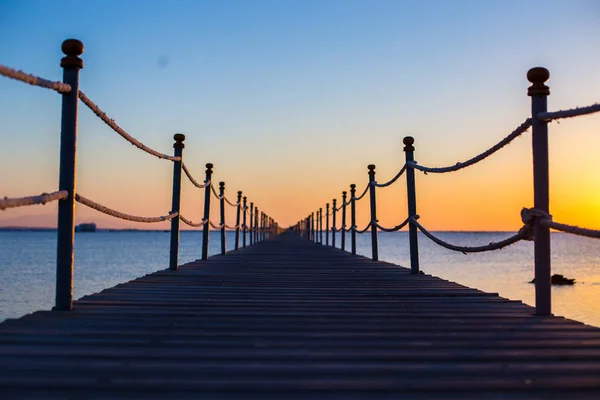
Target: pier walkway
{"x": 289, "y": 318}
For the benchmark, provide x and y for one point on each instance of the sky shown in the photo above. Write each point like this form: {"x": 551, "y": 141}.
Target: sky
{"x": 291, "y": 100}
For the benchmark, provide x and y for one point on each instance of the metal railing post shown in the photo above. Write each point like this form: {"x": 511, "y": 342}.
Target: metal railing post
{"x": 176, "y": 201}
{"x": 327, "y": 224}
{"x": 333, "y": 226}
{"x": 237, "y": 220}
{"x": 374, "y": 244}
{"x": 206, "y": 227}
{"x": 250, "y": 231}
{"x": 313, "y": 237}
{"x": 222, "y": 215}
{"x": 71, "y": 65}
{"x": 409, "y": 151}
{"x": 256, "y": 225}
{"x": 344, "y": 194}
{"x": 244, "y": 227}
{"x": 541, "y": 193}
{"x": 353, "y": 217}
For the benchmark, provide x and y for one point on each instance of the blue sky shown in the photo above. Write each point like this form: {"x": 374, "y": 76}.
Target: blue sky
{"x": 289, "y": 99}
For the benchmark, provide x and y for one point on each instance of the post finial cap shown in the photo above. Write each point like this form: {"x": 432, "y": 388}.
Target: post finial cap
{"x": 352, "y": 186}
{"x": 371, "y": 167}
{"x": 408, "y": 143}
{"x": 209, "y": 165}
{"x": 72, "y": 47}
{"x": 221, "y": 184}
{"x": 344, "y": 193}
{"x": 179, "y": 137}
{"x": 239, "y": 192}
{"x": 537, "y": 76}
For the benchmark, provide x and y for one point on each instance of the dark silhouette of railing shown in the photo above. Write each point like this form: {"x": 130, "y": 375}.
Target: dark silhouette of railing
{"x": 537, "y": 221}
{"x": 259, "y": 229}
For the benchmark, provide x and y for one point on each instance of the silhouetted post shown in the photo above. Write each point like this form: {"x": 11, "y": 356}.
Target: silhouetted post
{"x": 321, "y": 225}
{"x": 353, "y": 216}
{"x": 71, "y": 65}
{"x": 261, "y": 231}
{"x": 333, "y": 227}
{"x": 244, "y": 228}
{"x": 206, "y": 227}
{"x": 307, "y": 228}
{"x": 237, "y": 220}
{"x": 313, "y": 237}
{"x": 176, "y": 201}
{"x": 250, "y": 232}
{"x": 256, "y": 238}
{"x": 412, "y": 204}
{"x": 222, "y": 215}
{"x": 327, "y": 224}
{"x": 344, "y": 194}
{"x": 541, "y": 195}
{"x": 374, "y": 244}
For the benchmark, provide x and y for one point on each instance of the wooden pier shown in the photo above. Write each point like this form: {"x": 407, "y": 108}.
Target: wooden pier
{"x": 288, "y": 318}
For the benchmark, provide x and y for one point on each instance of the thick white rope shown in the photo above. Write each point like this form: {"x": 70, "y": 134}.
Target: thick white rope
{"x": 230, "y": 203}
{"x": 394, "y": 229}
{"x": 32, "y": 200}
{"x": 394, "y": 179}
{"x": 190, "y": 223}
{"x": 34, "y": 80}
{"x": 215, "y": 193}
{"x": 218, "y": 227}
{"x": 575, "y": 230}
{"x": 110, "y": 122}
{"x": 574, "y": 112}
{"x": 363, "y": 193}
{"x": 117, "y": 214}
{"x": 523, "y": 234}
{"x": 191, "y": 178}
{"x": 480, "y": 157}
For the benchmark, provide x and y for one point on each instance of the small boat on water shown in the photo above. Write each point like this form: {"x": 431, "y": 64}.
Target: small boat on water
{"x": 86, "y": 227}
{"x": 558, "y": 279}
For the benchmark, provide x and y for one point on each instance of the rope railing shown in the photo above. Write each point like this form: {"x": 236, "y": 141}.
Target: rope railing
{"x": 523, "y": 234}
{"x": 214, "y": 191}
{"x": 32, "y": 200}
{"x": 575, "y": 112}
{"x": 363, "y": 193}
{"x": 191, "y": 178}
{"x": 113, "y": 125}
{"x": 480, "y": 157}
{"x": 394, "y": 179}
{"x": 33, "y": 80}
{"x": 67, "y": 196}
{"x": 394, "y": 229}
{"x": 537, "y": 222}
{"x": 118, "y": 214}
{"x": 193, "y": 224}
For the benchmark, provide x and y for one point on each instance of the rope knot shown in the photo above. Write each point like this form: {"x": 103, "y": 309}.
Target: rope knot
{"x": 528, "y": 216}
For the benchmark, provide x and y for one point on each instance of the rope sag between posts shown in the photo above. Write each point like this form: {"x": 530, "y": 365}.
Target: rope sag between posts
{"x": 218, "y": 227}
{"x": 190, "y": 223}
{"x": 191, "y": 178}
{"x": 361, "y": 231}
{"x": 528, "y": 214}
{"x": 118, "y": 214}
{"x": 111, "y": 123}
{"x": 230, "y": 203}
{"x": 480, "y": 157}
{"x": 394, "y": 229}
{"x": 32, "y": 200}
{"x": 215, "y": 192}
{"x": 394, "y": 179}
{"x": 33, "y": 80}
{"x": 523, "y": 234}
{"x": 363, "y": 193}
{"x": 574, "y": 112}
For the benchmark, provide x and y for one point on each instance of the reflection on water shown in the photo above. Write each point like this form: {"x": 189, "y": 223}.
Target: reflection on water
{"x": 104, "y": 259}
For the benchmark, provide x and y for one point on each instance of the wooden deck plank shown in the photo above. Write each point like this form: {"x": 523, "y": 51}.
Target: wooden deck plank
{"x": 291, "y": 319}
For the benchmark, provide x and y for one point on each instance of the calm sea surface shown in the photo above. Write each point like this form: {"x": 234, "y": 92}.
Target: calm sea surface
{"x": 104, "y": 259}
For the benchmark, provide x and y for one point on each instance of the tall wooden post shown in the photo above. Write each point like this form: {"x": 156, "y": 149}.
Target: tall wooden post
{"x": 411, "y": 192}
{"x": 327, "y": 224}
{"x": 373, "y": 200}
{"x": 222, "y": 216}
{"x": 244, "y": 227}
{"x": 344, "y": 194}
{"x": 539, "y": 93}
{"x": 206, "y": 227}
{"x": 353, "y": 216}
{"x": 71, "y": 65}
{"x": 321, "y": 225}
{"x": 251, "y": 230}
{"x": 256, "y": 239}
{"x": 313, "y": 236}
{"x": 237, "y": 220}
{"x": 333, "y": 227}
{"x": 176, "y": 201}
